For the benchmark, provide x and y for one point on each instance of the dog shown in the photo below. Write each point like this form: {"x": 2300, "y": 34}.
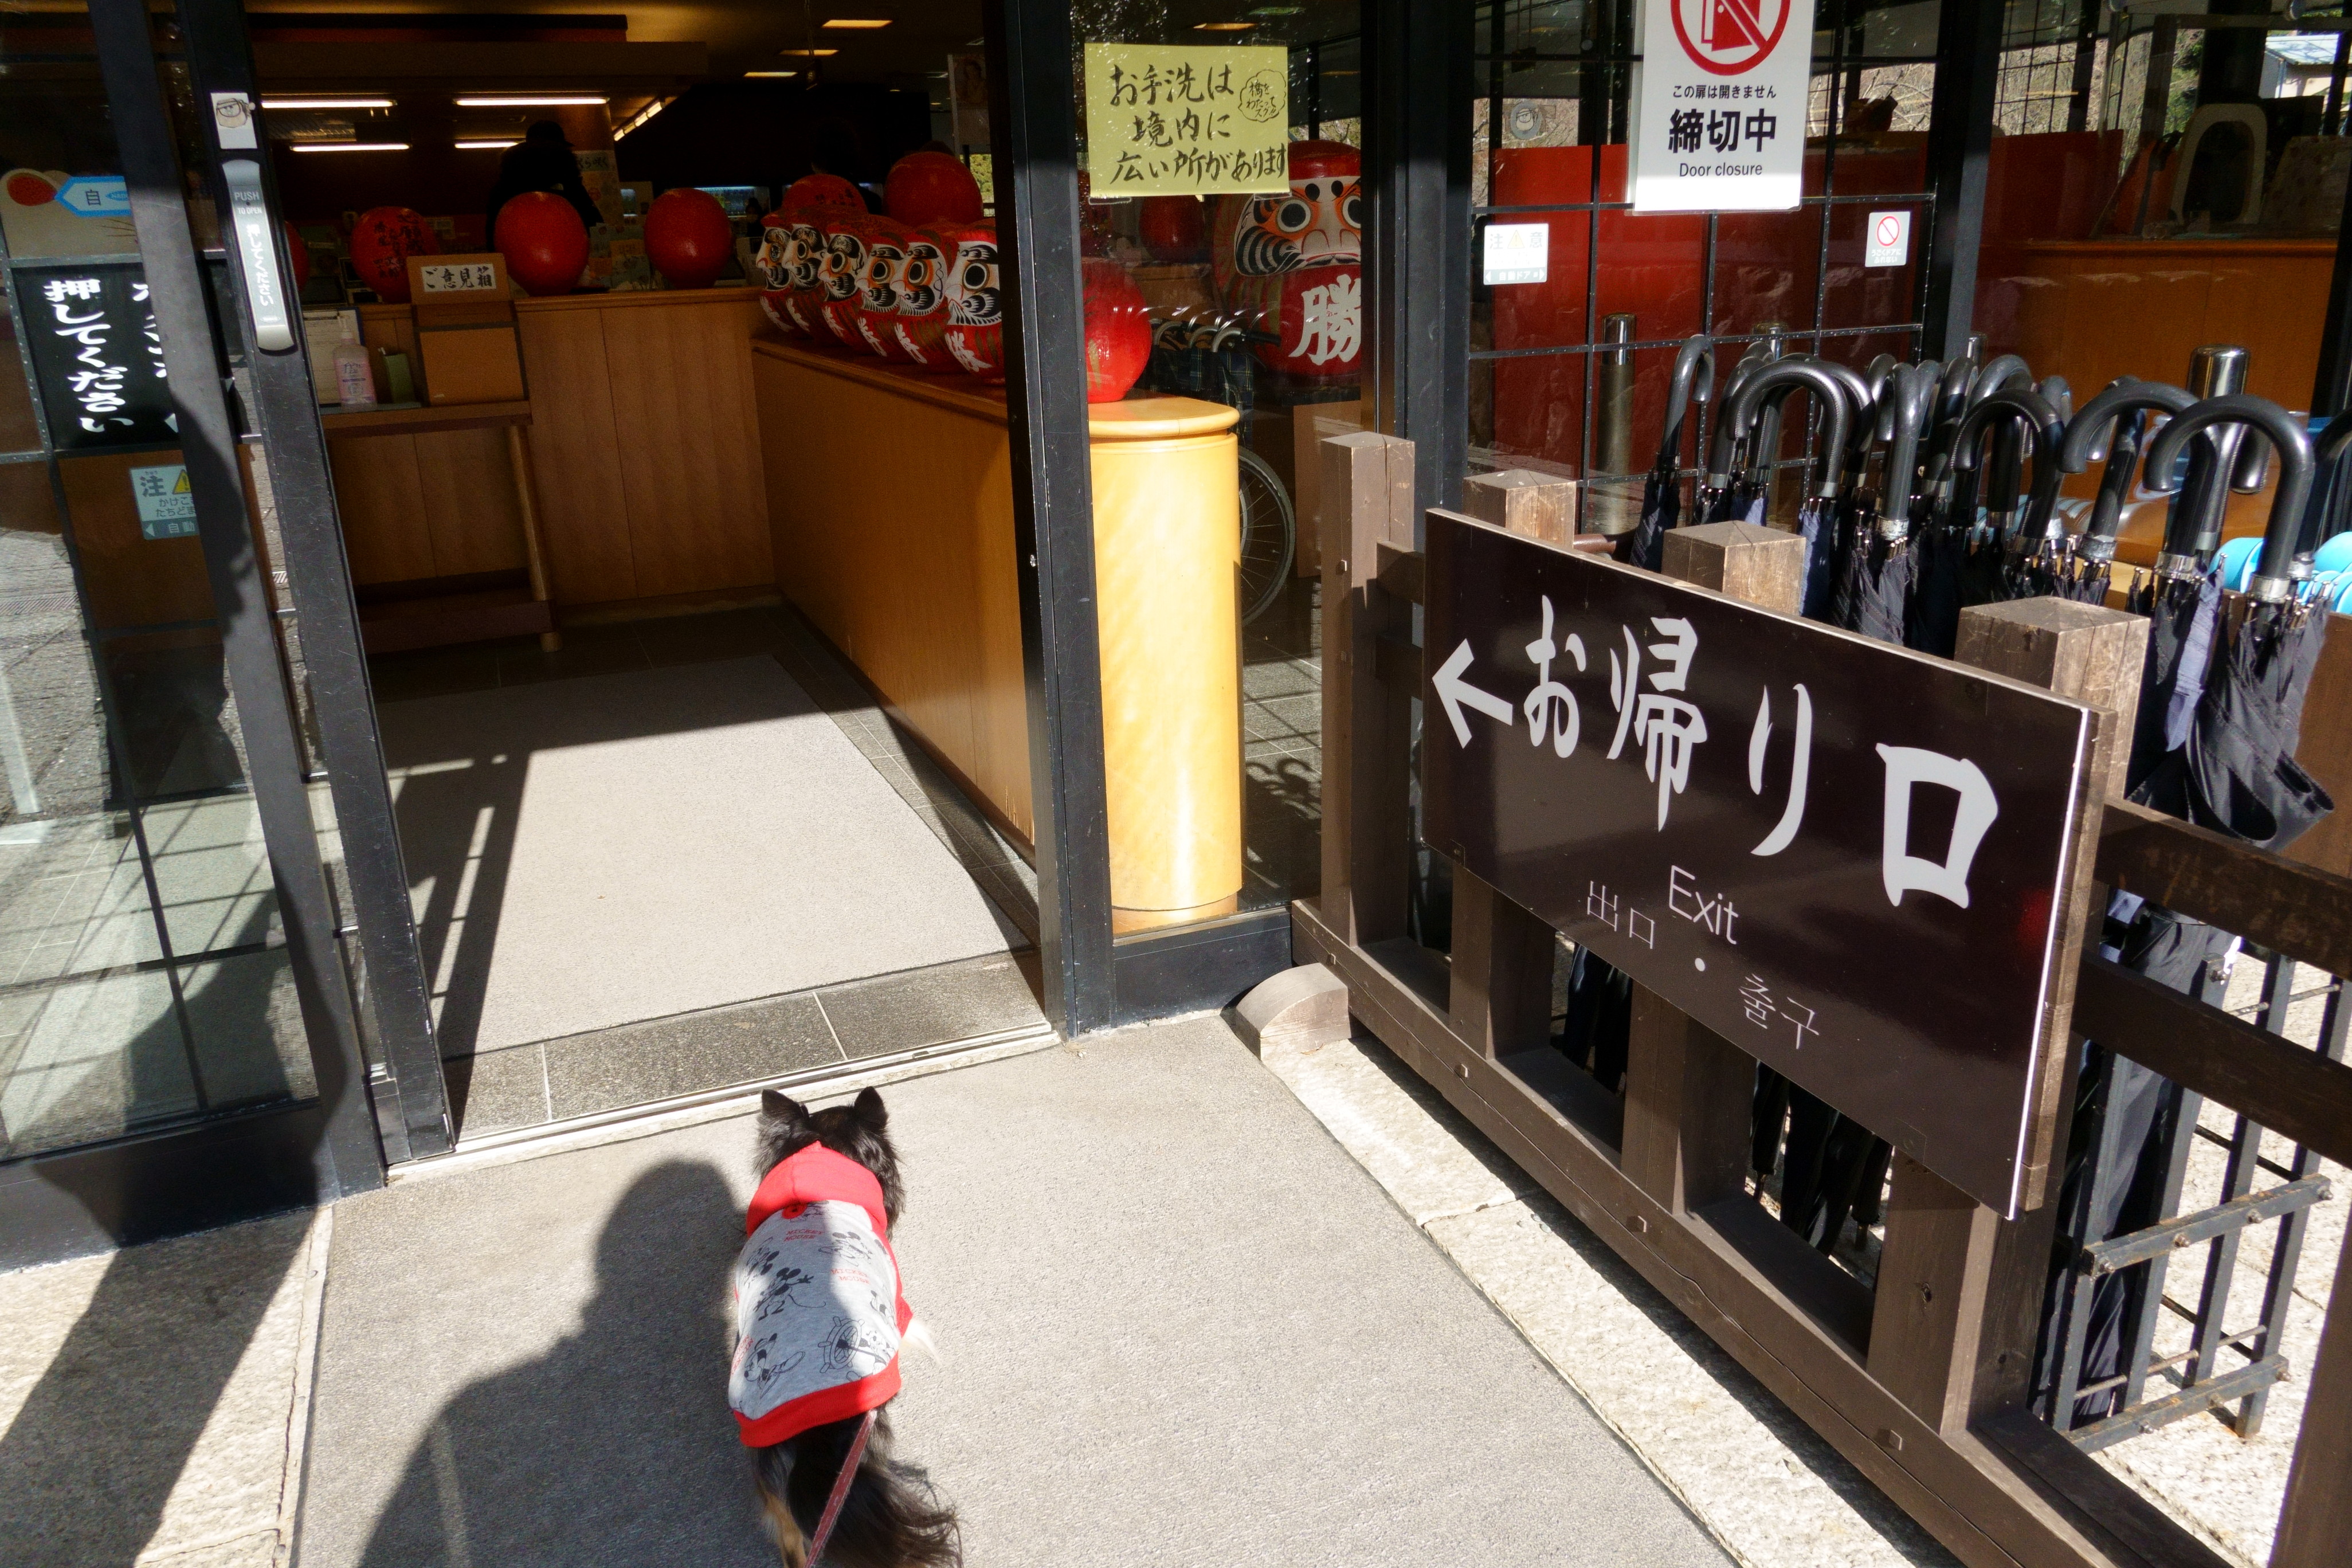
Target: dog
{"x": 819, "y": 1323}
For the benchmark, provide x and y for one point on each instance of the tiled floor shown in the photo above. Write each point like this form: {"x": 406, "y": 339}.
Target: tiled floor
{"x": 805, "y": 1033}
{"x": 777, "y": 1037}
{"x": 1282, "y": 748}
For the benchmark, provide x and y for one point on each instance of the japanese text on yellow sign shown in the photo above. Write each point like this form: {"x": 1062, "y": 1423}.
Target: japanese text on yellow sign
{"x": 1186, "y": 120}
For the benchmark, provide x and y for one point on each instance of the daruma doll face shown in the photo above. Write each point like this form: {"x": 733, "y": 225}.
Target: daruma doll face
{"x": 841, "y": 280}
{"x": 878, "y": 300}
{"x": 923, "y": 324}
{"x": 975, "y": 332}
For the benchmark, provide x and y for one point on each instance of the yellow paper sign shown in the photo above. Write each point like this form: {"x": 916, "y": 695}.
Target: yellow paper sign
{"x": 1182, "y": 119}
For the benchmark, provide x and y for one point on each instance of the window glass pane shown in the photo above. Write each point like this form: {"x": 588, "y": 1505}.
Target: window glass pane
{"x": 1254, "y": 302}
{"x": 142, "y": 975}
{"x": 1548, "y": 132}
{"x": 2162, "y": 187}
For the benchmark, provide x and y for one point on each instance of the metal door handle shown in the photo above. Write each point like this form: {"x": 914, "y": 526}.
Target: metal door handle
{"x": 257, "y": 246}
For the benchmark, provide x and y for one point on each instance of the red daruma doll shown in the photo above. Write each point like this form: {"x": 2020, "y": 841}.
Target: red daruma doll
{"x": 1292, "y": 265}
{"x": 922, "y": 325}
{"x": 841, "y": 275}
{"x": 382, "y": 242}
{"x": 791, "y": 256}
{"x": 774, "y": 268}
{"x": 975, "y": 334}
{"x": 877, "y": 306}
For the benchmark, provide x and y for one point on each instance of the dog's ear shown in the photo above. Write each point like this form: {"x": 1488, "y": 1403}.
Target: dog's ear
{"x": 782, "y": 1107}
{"x": 868, "y": 1109}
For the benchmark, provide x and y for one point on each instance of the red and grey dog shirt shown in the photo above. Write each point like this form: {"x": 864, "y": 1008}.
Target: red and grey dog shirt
{"x": 818, "y": 1313}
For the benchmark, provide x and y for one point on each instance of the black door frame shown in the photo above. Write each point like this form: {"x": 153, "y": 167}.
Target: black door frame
{"x": 404, "y": 1072}
{"x": 144, "y": 1186}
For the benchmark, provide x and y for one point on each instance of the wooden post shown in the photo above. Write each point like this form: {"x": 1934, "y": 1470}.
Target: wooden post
{"x": 2317, "y": 1520}
{"x": 1522, "y": 502}
{"x": 1959, "y": 1297}
{"x": 1367, "y": 501}
{"x": 1740, "y": 561}
{"x": 534, "y": 550}
{"x": 1689, "y": 1092}
{"x": 1500, "y": 990}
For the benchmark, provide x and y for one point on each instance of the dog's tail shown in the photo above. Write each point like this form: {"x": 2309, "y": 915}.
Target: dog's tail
{"x": 892, "y": 1518}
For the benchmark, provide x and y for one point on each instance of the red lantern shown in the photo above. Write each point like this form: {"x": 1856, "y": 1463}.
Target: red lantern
{"x": 1094, "y": 233}
{"x": 1175, "y": 228}
{"x": 1293, "y": 263}
{"x": 923, "y": 327}
{"x": 543, "y": 240}
{"x": 975, "y": 332}
{"x": 1118, "y": 331}
{"x": 887, "y": 241}
{"x": 841, "y": 273}
{"x": 687, "y": 237}
{"x": 297, "y": 256}
{"x": 931, "y": 187}
{"x": 821, "y": 191}
{"x": 382, "y": 242}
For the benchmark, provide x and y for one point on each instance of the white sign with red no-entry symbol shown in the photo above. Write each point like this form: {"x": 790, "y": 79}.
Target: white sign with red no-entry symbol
{"x": 1889, "y": 244}
{"x": 1719, "y": 103}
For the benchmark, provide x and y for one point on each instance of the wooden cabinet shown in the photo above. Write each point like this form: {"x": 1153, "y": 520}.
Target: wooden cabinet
{"x": 645, "y": 442}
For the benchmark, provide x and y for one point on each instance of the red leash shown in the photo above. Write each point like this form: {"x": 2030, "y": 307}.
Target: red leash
{"x": 840, "y": 1491}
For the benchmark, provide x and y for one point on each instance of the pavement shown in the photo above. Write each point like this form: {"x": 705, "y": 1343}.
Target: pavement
{"x": 1178, "y": 1325}
{"x": 1190, "y": 1310}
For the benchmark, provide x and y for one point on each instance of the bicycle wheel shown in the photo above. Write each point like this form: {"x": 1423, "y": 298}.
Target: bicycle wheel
{"x": 1269, "y": 536}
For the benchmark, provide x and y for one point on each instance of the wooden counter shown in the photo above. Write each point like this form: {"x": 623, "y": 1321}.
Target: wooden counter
{"x": 889, "y": 502}
{"x": 643, "y": 438}
{"x": 891, "y": 497}
{"x": 2094, "y": 310}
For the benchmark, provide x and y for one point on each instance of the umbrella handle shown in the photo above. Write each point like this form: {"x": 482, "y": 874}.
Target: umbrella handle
{"x": 2014, "y": 407}
{"x": 1693, "y": 377}
{"x": 2112, "y": 425}
{"x": 1915, "y": 387}
{"x": 1775, "y": 382}
{"x": 2274, "y": 578}
{"x": 2006, "y": 370}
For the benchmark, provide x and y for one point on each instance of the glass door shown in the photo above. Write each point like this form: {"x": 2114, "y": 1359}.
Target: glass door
{"x": 178, "y": 1040}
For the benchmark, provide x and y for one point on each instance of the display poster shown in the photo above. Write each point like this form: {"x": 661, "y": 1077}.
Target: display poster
{"x": 97, "y": 356}
{"x": 1719, "y": 103}
{"x": 968, "y": 100}
{"x": 1845, "y": 857}
{"x": 1187, "y": 119}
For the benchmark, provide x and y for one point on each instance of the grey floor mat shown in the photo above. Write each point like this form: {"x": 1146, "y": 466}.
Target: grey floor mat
{"x": 596, "y": 851}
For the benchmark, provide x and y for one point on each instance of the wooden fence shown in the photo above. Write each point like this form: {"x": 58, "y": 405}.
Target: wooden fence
{"x": 1921, "y": 1382}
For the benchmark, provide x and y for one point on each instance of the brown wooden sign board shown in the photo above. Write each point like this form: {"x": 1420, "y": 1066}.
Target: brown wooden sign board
{"x": 1845, "y": 857}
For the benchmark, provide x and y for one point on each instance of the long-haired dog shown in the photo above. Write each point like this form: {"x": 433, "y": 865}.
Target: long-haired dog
{"x": 820, "y": 1319}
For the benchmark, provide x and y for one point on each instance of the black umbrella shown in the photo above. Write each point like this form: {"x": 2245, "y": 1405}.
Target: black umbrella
{"x": 2233, "y": 770}
{"x": 2237, "y": 773}
{"x": 1721, "y": 495}
{"x": 1762, "y": 393}
{"x": 1829, "y": 530}
{"x": 1661, "y": 496}
{"x": 1874, "y": 592}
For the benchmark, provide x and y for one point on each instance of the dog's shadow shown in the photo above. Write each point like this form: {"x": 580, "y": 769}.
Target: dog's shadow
{"x": 615, "y": 1445}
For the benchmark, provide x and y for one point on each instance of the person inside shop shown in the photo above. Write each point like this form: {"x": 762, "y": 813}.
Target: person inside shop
{"x": 541, "y": 161}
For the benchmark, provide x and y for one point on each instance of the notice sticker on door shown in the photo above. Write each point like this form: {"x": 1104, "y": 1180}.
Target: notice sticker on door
{"x": 1515, "y": 253}
{"x": 167, "y": 507}
{"x": 1889, "y": 242}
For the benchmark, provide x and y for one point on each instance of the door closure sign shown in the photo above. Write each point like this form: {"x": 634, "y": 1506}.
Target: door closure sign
{"x": 1719, "y": 105}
